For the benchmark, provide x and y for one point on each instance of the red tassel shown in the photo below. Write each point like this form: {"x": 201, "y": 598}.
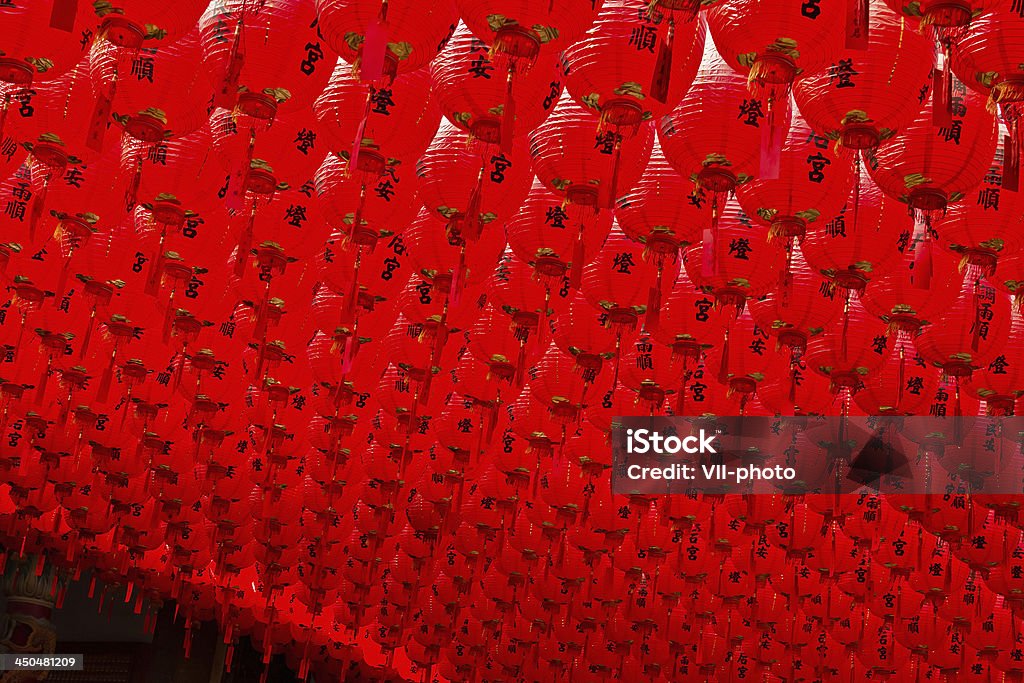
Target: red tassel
{"x": 104, "y": 389}
{"x": 708, "y": 264}
{"x": 375, "y": 45}
{"x": 846, "y": 327}
{"x": 41, "y": 391}
{"x": 579, "y": 255}
{"x": 472, "y": 225}
{"x": 772, "y": 136}
{"x": 227, "y": 94}
{"x": 38, "y": 204}
{"x": 100, "y": 120}
{"x": 1011, "y": 158}
{"x": 611, "y": 193}
{"x": 792, "y": 383}
{"x": 357, "y": 143}
{"x": 349, "y": 313}
{"x": 508, "y": 118}
{"x": 347, "y": 354}
{"x": 156, "y": 274}
{"x": 922, "y": 275}
{"x": 132, "y": 193}
{"x": 900, "y": 377}
{"x": 235, "y": 200}
{"x": 458, "y": 279}
{"x": 663, "y": 67}
{"x": 858, "y": 13}
{"x": 942, "y": 84}
{"x": 653, "y": 318}
{"x": 723, "y": 370}
{"x": 3, "y": 114}
{"x": 245, "y": 244}
{"x": 62, "y": 16}
{"x": 976, "y": 327}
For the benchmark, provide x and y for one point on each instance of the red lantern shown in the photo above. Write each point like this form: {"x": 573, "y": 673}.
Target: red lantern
{"x": 735, "y": 260}
{"x": 905, "y": 298}
{"x": 802, "y": 305}
{"x": 399, "y": 120}
{"x": 712, "y": 135}
{"x": 652, "y": 213}
{"x": 473, "y": 96}
{"x": 382, "y": 39}
{"x": 988, "y": 224}
{"x": 627, "y": 86}
{"x": 603, "y": 171}
{"x": 266, "y": 58}
{"x": 862, "y": 242}
{"x": 972, "y": 330}
{"x": 555, "y": 237}
{"x": 930, "y": 167}
{"x": 520, "y": 28}
{"x": 162, "y": 96}
{"x": 42, "y": 41}
{"x": 1001, "y": 381}
{"x": 904, "y": 385}
{"x": 867, "y": 95}
{"x": 469, "y": 184}
{"x": 811, "y": 187}
{"x": 850, "y": 349}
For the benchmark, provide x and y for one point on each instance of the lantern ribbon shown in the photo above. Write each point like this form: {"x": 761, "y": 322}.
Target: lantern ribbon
{"x": 62, "y": 16}
{"x": 508, "y": 113}
{"x": 375, "y": 45}
{"x": 663, "y": 67}
{"x": 858, "y": 13}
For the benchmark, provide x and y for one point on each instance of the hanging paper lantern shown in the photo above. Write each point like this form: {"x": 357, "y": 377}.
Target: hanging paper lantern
{"x": 982, "y": 59}
{"x": 400, "y": 120}
{"x": 904, "y": 385}
{"x": 162, "y": 96}
{"x": 382, "y": 39}
{"x": 652, "y": 213}
{"x": 773, "y": 48}
{"x": 907, "y": 297}
{"x": 473, "y": 95}
{"x": 521, "y": 28}
{"x": 873, "y": 90}
{"x": 850, "y": 349}
{"x": 745, "y": 358}
{"x": 556, "y": 237}
{"x": 618, "y": 282}
{"x": 258, "y": 159}
{"x": 929, "y": 167}
{"x": 812, "y": 185}
{"x": 43, "y": 41}
{"x": 469, "y": 184}
{"x": 608, "y": 165}
{"x": 734, "y": 261}
{"x": 367, "y": 205}
{"x": 987, "y": 224}
{"x": 971, "y": 331}
{"x": 265, "y": 58}
{"x": 632, "y": 65}
{"x": 863, "y": 241}
{"x": 803, "y": 304}
{"x": 999, "y": 383}
{"x": 712, "y": 135}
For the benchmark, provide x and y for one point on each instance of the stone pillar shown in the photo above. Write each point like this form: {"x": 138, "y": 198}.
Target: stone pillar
{"x": 26, "y": 626}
